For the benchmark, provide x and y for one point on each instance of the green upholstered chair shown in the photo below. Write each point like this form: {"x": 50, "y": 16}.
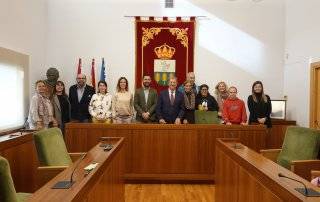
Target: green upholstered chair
{"x": 7, "y": 190}
{"x": 51, "y": 149}
{"x": 52, "y": 154}
{"x": 206, "y": 117}
{"x": 299, "y": 151}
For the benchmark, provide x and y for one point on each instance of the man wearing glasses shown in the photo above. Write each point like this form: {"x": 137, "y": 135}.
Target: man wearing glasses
{"x": 79, "y": 96}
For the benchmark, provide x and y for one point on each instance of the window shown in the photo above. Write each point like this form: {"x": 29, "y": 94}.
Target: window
{"x": 13, "y": 88}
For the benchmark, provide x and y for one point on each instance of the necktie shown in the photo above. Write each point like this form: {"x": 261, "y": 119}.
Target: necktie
{"x": 171, "y": 98}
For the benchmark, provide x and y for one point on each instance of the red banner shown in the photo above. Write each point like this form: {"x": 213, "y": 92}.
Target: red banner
{"x": 164, "y": 49}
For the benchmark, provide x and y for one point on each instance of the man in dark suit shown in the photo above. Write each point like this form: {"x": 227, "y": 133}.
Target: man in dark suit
{"x": 145, "y": 101}
{"x": 79, "y": 96}
{"x": 170, "y": 106}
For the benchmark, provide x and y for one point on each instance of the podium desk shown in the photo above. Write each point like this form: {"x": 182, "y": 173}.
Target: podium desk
{"x": 18, "y": 148}
{"x": 103, "y": 183}
{"x": 244, "y": 175}
{"x": 165, "y": 153}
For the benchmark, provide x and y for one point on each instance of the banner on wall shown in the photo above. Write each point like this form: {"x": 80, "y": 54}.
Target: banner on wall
{"x": 164, "y": 49}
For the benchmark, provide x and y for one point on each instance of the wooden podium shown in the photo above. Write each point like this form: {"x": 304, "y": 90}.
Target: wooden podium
{"x": 103, "y": 183}
{"x": 245, "y": 175}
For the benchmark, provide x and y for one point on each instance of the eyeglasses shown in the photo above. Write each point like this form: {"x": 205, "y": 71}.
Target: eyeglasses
{"x": 204, "y": 89}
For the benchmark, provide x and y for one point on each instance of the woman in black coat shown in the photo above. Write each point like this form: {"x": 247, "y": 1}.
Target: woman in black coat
{"x": 205, "y": 101}
{"x": 259, "y": 105}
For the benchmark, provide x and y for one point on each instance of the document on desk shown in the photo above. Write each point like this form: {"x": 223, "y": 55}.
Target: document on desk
{"x": 90, "y": 167}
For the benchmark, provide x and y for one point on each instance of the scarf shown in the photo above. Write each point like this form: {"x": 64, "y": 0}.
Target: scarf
{"x": 43, "y": 110}
{"x": 189, "y": 100}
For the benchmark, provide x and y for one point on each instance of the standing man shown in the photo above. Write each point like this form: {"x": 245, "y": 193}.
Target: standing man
{"x": 170, "y": 106}
{"x": 191, "y": 78}
{"x": 145, "y": 101}
{"x": 79, "y": 96}
{"x": 234, "y": 110}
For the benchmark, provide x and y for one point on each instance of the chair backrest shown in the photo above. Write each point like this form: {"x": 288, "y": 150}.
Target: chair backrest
{"x": 206, "y": 117}
{"x": 51, "y": 148}
{"x": 7, "y": 190}
{"x": 299, "y": 144}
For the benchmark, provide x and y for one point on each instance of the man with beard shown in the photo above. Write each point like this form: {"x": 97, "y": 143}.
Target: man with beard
{"x": 145, "y": 101}
{"x": 79, "y": 96}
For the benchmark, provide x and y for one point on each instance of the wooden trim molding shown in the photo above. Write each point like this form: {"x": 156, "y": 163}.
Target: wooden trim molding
{"x": 313, "y": 98}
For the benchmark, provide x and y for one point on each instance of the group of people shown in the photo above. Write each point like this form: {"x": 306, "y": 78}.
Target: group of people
{"x": 175, "y": 105}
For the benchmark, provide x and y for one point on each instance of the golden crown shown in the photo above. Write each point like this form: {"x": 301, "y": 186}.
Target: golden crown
{"x": 164, "y": 51}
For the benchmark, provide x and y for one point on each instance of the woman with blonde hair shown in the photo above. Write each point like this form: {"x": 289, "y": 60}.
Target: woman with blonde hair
{"x": 122, "y": 103}
{"x": 41, "y": 110}
{"x": 221, "y": 91}
{"x": 100, "y": 105}
{"x": 189, "y": 103}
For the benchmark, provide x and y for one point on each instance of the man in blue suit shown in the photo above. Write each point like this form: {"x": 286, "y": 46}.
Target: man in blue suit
{"x": 170, "y": 105}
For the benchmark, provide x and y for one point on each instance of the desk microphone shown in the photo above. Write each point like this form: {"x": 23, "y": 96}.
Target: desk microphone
{"x": 69, "y": 183}
{"x": 309, "y": 192}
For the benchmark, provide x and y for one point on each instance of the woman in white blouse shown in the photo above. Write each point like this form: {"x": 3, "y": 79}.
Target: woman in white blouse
{"x": 41, "y": 110}
{"x": 100, "y": 105}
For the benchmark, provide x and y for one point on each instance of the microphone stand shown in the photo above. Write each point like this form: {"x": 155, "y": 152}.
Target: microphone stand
{"x": 308, "y": 192}
{"x": 69, "y": 183}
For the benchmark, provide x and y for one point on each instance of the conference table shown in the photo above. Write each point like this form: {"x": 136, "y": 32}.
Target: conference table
{"x": 242, "y": 174}
{"x": 166, "y": 153}
{"x": 103, "y": 183}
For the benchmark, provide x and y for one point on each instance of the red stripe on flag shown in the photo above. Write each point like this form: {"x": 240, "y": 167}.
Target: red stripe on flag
{"x": 79, "y": 66}
{"x": 93, "y": 75}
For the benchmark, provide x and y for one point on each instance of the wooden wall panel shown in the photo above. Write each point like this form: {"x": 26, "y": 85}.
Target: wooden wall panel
{"x": 277, "y": 132}
{"x": 22, "y": 157}
{"x": 165, "y": 152}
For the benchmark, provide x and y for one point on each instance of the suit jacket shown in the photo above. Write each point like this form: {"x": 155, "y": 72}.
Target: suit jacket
{"x": 141, "y": 106}
{"x": 79, "y": 110}
{"x": 167, "y": 111}
{"x": 57, "y": 109}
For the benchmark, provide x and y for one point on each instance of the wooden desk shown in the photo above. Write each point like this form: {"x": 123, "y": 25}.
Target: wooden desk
{"x": 277, "y": 132}
{"x": 157, "y": 152}
{"x": 104, "y": 183}
{"x": 244, "y": 175}
{"x": 22, "y": 157}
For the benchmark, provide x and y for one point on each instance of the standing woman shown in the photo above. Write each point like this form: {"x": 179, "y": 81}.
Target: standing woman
{"x": 259, "y": 105}
{"x": 189, "y": 103}
{"x": 122, "y": 103}
{"x": 61, "y": 105}
{"x": 100, "y": 104}
{"x": 41, "y": 110}
{"x": 221, "y": 91}
{"x": 205, "y": 101}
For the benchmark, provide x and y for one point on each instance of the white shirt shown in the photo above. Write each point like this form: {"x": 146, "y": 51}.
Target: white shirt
{"x": 174, "y": 93}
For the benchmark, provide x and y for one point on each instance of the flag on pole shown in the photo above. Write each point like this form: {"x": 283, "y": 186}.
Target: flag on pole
{"x": 93, "y": 77}
{"x": 79, "y": 66}
{"x": 103, "y": 71}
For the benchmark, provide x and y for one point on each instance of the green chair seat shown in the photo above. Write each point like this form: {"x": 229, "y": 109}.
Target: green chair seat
{"x": 299, "y": 144}
{"x": 51, "y": 148}
{"x": 23, "y": 196}
{"x": 7, "y": 190}
{"x": 206, "y": 117}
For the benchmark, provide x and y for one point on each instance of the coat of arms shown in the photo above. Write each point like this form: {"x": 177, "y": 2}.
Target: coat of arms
{"x": 164, "y": 66}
